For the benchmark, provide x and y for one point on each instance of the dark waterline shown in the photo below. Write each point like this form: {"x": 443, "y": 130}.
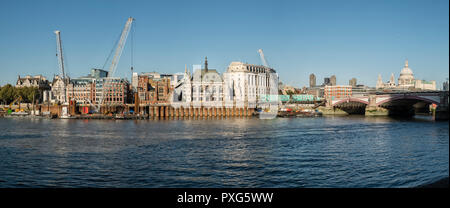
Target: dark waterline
{"x": 351, "y": 151}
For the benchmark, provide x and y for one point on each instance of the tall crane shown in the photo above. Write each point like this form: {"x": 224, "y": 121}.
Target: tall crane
{"x": 263, "y": 59}
{"x": 120, "y": 45}
{"x": 59, "y": 54}
{"x": 116, "y": 58}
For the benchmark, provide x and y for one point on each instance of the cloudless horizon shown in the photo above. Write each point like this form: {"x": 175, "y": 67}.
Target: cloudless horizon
{"x": 347, "y": 38}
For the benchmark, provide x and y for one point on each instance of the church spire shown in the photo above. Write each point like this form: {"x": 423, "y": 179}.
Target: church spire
{"x": 406, "y": 63}
{"x": 379, "y": 82}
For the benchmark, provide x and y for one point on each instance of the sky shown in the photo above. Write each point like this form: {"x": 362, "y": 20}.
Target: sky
{"x": 346, "y": 38}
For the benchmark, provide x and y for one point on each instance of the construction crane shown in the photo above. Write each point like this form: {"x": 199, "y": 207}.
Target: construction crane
{"x": 263, "y": 59}
{"x": 59, "y": 54}
{"x": 116, "y": 58}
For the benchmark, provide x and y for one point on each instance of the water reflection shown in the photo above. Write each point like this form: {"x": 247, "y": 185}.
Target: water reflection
{"x": 353, "y": 151}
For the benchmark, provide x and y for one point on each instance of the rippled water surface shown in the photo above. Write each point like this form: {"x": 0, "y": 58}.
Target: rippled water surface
{"x": 350, "y": 151}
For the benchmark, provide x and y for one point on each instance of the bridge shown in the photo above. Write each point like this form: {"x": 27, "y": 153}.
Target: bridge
{"x": 393, "y": 103}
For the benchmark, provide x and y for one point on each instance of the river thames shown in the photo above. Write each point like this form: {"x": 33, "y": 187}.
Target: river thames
{"x": 350, "y": 151}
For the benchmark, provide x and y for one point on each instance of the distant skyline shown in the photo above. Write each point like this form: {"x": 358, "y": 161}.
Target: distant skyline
{"x": 350, "y": 39}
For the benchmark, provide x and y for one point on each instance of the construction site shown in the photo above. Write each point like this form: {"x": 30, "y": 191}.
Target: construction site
{"x": 152, "y": 95}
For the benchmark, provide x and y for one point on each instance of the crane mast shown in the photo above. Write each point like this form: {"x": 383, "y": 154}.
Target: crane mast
{"x": 120, "y": 45}
{"x": 61, "y": 62}
{"x": 116, "y": 58}
{"x": 263, "y": 59}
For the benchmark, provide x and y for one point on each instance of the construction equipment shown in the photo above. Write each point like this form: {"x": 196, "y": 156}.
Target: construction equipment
{"x": 263, "y": 59}
{"x": 115, "y": 61}
{"x": 90, "y": 103}
{"x": 59, "y": 54}
{"x": 15, "y": 101}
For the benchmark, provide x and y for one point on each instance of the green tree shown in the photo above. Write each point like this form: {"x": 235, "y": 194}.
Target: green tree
{"x": 33, "y": 94}
{"x": 8, "y": 93}
{"x": 27, "y": 94}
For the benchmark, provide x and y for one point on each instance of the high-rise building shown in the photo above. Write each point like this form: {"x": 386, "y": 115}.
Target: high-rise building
{"x": 326, "y": 81}
{"x": 333, "y": 80}
{"x": 352, "y": 82}
{"x": 445, "y": 86}
{"x": 312, "y": 80}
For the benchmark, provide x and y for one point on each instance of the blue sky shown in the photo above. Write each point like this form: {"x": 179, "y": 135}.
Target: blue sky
{"x": 361, "y": 38}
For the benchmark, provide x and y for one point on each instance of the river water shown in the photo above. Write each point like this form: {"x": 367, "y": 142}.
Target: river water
{"x": 350, "y": 151}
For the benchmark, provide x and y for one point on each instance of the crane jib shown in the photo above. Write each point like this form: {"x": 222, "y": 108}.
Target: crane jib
{"x": 116, "y": 58}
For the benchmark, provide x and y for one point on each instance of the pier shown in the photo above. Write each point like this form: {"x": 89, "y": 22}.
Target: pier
{"x": 132, "y": 111}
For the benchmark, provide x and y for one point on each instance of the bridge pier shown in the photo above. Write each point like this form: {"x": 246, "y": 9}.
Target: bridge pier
{"x": 376, "y": 111}
{"x": 440, "y": 114}
{"x": 332, "y": 111}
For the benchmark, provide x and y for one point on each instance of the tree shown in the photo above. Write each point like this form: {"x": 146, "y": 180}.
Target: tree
{"x": 8, "y": 93}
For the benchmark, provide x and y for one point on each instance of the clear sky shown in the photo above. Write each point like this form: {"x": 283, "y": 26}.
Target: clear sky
{"x": 360, "y": 38}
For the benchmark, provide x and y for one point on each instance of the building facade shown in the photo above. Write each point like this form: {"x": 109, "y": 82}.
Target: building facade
{"x": 352, "y": 82}
{"x": 58, "y": 94}
{"x": 38, "y": 81}
{"x": 406, "y": 78}
{"x": 152, "y": 88}
{"x": 333, "y": 80}
{"x": 338, "y": 91}
{"x": 425, "y": 85}
{"x": 94, "y": 88}
{"x": 388, "y": 85}
{"x": 326, "y": 81}
{"x": 82, "y": 91}
{"x": 246, "y": 85}
{"x": 241, "y": 86}
{"x": 207, "y": 87}
{"x": 312, "y": 80}
{"x": 111, "y": 91}
{"x": 406, "y": 81}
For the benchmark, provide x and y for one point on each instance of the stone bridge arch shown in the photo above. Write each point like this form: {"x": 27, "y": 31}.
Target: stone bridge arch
{"x": 408, "y": 97}
{"x": 351, "y": 99}
{"x": 351, "y": 105}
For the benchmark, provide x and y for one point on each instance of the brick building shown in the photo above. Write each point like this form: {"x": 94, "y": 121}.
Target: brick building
{"x": 337, "y": 91}
{"x": 114, "y": 91}
{"x": 153, "y": 88}
{"x": 81, "y": 90}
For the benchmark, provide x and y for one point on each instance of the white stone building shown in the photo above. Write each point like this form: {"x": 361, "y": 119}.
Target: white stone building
{"x": 207, "y": 87}
{"x": 245, "y": 85}
{"x": 406, "y": 79}
{"x": 57, "y": 94}
{"x": 425, "y": 85}
{"x": 241, "y": 86}
{"x": 37, "y": 81}
{"x": 389, "y": 84}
